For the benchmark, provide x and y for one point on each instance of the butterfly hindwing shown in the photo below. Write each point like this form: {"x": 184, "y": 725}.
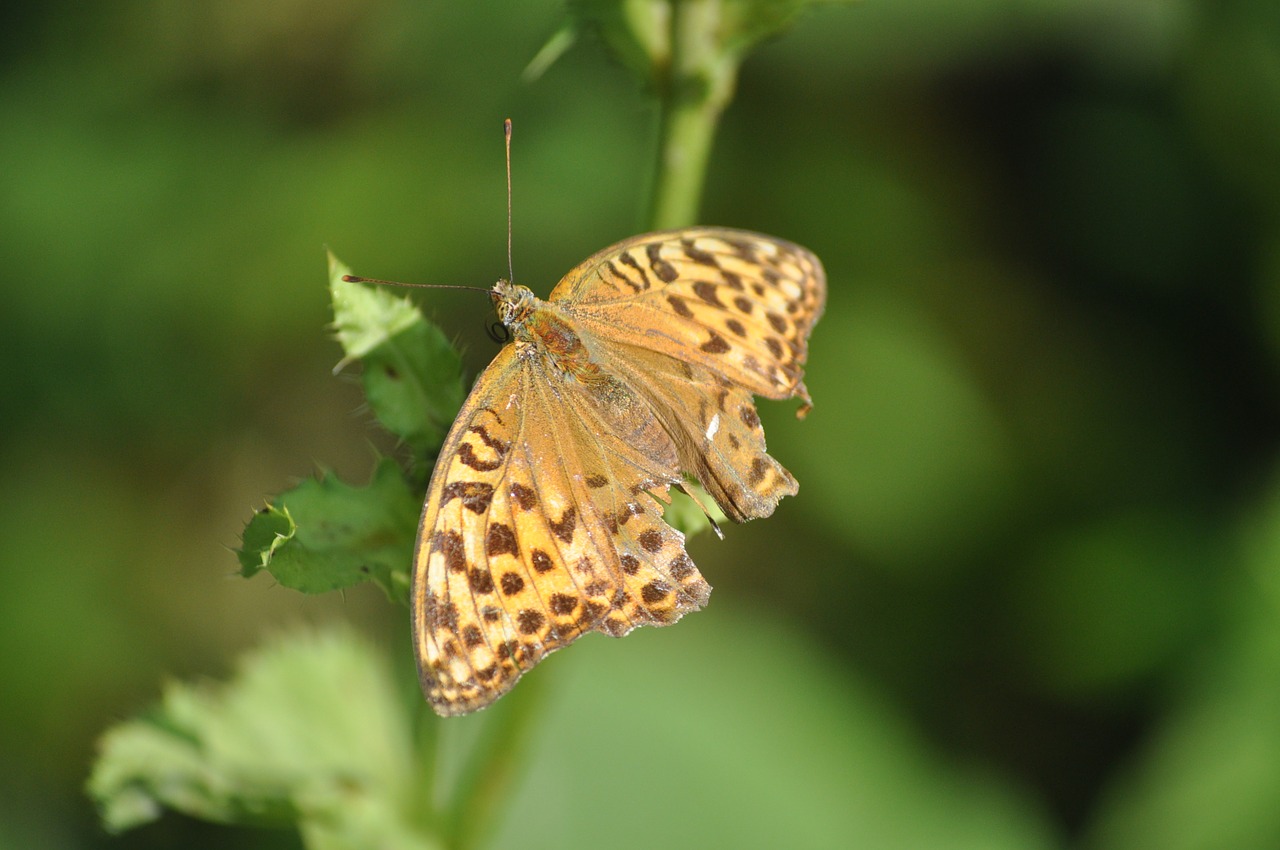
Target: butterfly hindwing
{"x": 722, "y": 443}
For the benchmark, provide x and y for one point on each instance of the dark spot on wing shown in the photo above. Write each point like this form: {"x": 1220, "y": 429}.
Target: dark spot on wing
{"x": 494, "y": 443}
{"x": 467, "y": 455}
{"x": 681, "y": 308}
{"x": 500, "y": 540}
{"x": 563, "y": 603}
{"x": 628, "y": 260}
{"x": 541, "y": 561}
{"x": 512, "y": 584}
{"x": 451, "y": 545}
{"x": 441, "y": 615}
{"x": 682, "y": 567}
{"x": 529, "y": 621}
{"x": 475, "y": 495}
{"x": 707, "y": 292}
{"x": 568, "y": 522}
{"x": 617, "y": 275}
{"x": 655, "y": 591}
{"x": 526, "y": 498}
{"x": 481, "y": 580}
{"x": 698, "y": 255}
{"x": 651, "y": 540}
{"x": 715, "y": 345}
{"x": 664, "y": 270}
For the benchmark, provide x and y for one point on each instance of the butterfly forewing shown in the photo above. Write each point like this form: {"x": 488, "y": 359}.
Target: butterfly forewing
{"x": 544, "y": 514}
{"x": 699, "y": 320}
{"x": 541, "y": 527}
{"x": 737, "y": 302}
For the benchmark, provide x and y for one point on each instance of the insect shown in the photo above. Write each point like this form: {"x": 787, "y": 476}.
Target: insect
{"x": 543, "y": 519}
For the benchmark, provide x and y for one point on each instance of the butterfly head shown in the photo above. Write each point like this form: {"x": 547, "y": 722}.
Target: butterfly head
{"x": 513, "y": 302}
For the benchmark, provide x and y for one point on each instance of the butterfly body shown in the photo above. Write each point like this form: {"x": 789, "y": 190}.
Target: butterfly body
{"x": 541, "y": 329}
{"x": 544, "y": 514}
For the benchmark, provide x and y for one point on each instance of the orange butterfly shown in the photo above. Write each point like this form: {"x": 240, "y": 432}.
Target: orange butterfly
{"x": 543, "y": 520}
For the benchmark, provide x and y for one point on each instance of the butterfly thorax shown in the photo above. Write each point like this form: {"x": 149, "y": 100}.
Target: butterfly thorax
{"x": 540, "y": 329}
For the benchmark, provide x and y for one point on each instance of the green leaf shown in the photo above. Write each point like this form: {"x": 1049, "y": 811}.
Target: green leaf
{"x": 325, "y": 535}
{"x": 311, "y": 730}
{"x": 412, "y": 376}
{"x": 365, "y": 318}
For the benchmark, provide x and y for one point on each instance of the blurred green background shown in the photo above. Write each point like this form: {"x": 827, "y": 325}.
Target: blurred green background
{"x": 1028, "y": 593}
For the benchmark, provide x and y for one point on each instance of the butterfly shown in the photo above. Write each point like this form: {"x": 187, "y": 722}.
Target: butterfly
{"x": 544, "y": 515}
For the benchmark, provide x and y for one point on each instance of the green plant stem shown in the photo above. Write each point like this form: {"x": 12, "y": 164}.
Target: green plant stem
{"x": 424, "y": 814}
{"x": 482, "y": 789}
{"x": 697, "y": 87}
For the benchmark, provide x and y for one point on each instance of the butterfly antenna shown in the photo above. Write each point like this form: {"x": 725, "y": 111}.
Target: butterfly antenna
{"x": 351, "y": 278}
{"x": 506, "y": 133}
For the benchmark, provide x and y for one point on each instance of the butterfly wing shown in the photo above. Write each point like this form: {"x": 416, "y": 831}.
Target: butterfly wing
{"x": 699, "y": 320}
{"x": 540, "y": 527}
